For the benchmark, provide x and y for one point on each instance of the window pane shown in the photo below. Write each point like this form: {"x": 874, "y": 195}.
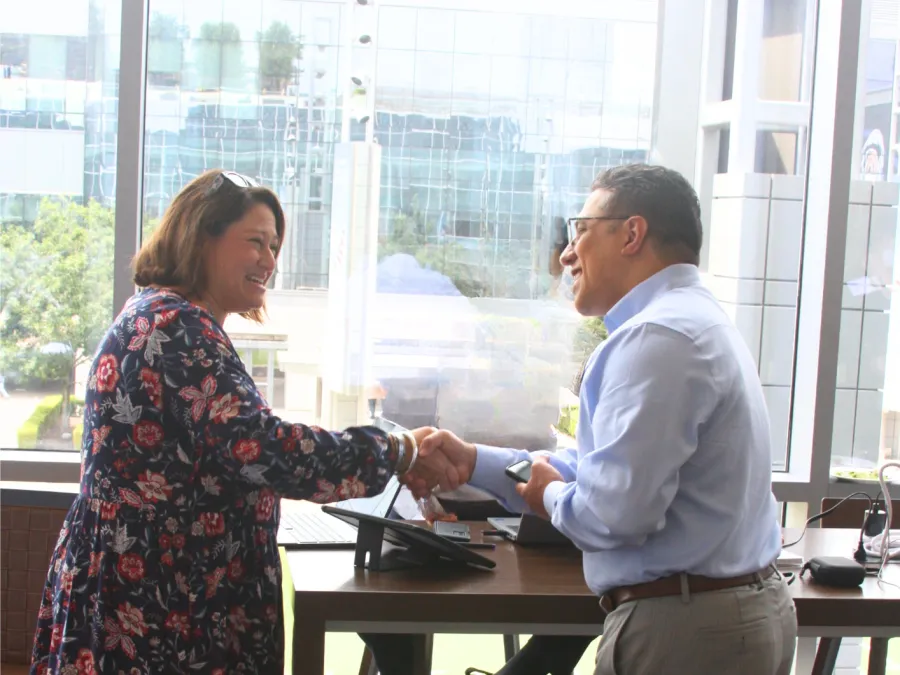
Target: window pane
{"x": 435, "y": 30}
{"x": 58, "y": 128}
{"x": 754, "y": 231}
{"x": 781, "y": 57}
{"x": 47, "y": 57}
{"x": 490, "y": 128}
{"x": 397, "y": 28}
{"x": 866, "y": 428}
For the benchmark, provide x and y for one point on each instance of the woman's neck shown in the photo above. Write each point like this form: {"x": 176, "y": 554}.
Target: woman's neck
{"x": 206, "y": 302}
{"x": 212, "y": 307}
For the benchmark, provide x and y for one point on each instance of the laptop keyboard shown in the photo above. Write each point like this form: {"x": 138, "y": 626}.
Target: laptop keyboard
{"x": 316, "y": 527}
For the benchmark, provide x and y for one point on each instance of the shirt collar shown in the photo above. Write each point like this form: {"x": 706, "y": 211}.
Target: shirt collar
{"x": 639, "y": 297}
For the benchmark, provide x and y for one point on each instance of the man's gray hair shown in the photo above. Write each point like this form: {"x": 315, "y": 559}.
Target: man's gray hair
{"x": 664, "y": 199}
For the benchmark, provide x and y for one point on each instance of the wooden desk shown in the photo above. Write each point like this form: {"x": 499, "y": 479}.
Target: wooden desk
{"x": 532, "y": 590}
{"x": 873, "y": 610}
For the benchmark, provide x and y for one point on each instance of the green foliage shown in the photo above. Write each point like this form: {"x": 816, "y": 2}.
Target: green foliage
{"x": 18, "y": 257}
{"x": 279, "y": 48}
{"x": 46, "y": 412}
{"x": 487, "y": 268}
{"x": 166, "y": 49}
{"x": 220, "y": 60}
{"x": 164, "y": 27}
{"x": 56, "y": 300}
{"x": 568, "y": 420}
{"x": 590, "y": 333}
{"x": 407, "y": 235}
{"x": 223, "y": 31}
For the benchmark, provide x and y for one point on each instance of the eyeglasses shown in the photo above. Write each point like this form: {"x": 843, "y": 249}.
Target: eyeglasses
{"x": 236, "y": 179}
{"x": 572, "y": 225}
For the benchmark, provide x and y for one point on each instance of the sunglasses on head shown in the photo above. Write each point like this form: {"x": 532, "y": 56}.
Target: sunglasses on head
{"x": 236, "y": 179}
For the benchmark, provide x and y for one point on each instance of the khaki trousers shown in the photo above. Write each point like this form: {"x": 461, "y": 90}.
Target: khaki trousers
{"x": 746, "y": 630}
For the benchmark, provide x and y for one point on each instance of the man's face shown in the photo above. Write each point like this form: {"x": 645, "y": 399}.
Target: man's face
{"x": 595, "y": 256}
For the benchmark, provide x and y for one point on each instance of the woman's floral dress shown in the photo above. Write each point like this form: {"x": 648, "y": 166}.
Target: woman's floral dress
{"x": 167, "y": 560}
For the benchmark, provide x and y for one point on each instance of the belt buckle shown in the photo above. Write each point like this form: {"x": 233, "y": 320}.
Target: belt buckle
{"x": 606, "y": 603}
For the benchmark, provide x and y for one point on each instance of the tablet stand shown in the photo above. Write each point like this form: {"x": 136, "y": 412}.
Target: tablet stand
{"x": 370, "y": 551}
{"x": 414, "y": 546}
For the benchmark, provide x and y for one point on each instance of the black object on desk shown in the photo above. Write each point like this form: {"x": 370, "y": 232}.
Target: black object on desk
{"x": 415, "y": 546}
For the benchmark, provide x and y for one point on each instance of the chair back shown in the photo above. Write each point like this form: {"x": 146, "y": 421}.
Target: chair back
{"x": 851, "y": 513}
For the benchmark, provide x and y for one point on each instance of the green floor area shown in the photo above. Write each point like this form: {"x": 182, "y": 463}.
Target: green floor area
{"x": 454, "y": 653}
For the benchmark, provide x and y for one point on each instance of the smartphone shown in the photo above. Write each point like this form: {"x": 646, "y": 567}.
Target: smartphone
{"x": 520, "y": 471}
{"x": 452, "y": 531}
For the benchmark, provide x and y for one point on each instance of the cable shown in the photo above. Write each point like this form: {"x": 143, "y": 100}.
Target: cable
{"x": 821, "y": 515}
{"x": 886, "y": 533}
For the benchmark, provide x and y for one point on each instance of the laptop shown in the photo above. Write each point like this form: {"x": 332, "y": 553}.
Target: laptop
{"x": 315, "y": 529}
{"x": 529, "y": 529}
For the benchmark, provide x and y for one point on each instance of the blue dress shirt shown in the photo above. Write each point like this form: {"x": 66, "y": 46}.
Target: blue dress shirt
{"x": 673, "y": 467}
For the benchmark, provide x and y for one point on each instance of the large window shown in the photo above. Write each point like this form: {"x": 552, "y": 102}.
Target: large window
{"x": 485, "y": 131}
{"x": 482, "y": 131}
{"x": 442, "y": 147}
{"x": 58, "y": 122}
{"x": 426, "y": 153}
{"x": 867, "y": 398}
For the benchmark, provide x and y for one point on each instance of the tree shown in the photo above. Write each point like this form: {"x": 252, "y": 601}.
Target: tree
{"x": 164, "y": 27}
{"x": 56, "y": 308}
{"x": 220, "y": 56}
{"x": 19, "y": 258}
{"x": 407, "y": 235}
{"x": 591, "y": 332}
{"x": 164, "y": 55}
{"x": 278, "y": 50}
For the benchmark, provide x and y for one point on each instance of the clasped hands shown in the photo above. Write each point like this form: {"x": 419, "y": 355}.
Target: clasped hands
{"x": 446, "y": 461}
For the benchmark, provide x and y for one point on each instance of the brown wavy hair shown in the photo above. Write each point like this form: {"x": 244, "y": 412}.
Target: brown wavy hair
{"x": 173, "y": 255}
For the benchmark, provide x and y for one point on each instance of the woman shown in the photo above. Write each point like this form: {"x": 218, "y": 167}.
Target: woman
{"x": 167, "y": 561}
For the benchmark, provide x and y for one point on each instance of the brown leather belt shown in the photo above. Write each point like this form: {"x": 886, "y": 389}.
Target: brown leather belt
{"x": 672, "y": 586}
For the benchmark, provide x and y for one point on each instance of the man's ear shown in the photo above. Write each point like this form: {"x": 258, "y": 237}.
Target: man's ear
{"x": 635, "y": 229}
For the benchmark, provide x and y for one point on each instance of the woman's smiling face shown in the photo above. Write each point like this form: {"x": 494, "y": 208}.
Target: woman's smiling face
{"x": 240, "y": 262}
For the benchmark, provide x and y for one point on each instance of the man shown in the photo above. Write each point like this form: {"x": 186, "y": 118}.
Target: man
{"x": 668, "y": 493}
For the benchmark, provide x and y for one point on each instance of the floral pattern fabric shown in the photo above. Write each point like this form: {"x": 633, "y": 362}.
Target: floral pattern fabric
{"x": 167, "y": 561}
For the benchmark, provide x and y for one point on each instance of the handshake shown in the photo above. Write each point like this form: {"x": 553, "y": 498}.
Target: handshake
{"x": 444, "y": 461}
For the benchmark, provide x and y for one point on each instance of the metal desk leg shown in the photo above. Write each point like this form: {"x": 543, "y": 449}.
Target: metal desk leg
{"x": 309, "y": 645}
{"x": 878, "y": 656}
{"x": 510, "y": 646}
{"x": 826, "y": 656}
{"x": 423, "y": 647}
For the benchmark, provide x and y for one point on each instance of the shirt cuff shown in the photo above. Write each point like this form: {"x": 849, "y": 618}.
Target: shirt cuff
{"x": 490, "y": 466}
{"x": 551, "y": 492}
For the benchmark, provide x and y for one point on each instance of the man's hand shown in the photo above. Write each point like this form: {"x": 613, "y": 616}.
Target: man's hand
{"x": 444, "y": 461}
{"x": 422, "y": 433}
{"x": 542, "y": 474}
